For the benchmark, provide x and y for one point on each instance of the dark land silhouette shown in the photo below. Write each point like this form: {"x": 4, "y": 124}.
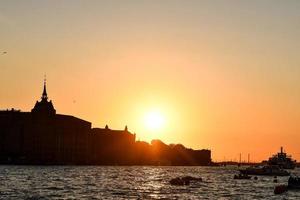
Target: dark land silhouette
{"x": 45, "y": 138}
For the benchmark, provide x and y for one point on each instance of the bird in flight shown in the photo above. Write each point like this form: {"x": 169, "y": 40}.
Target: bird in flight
{"x": 4, "y": 52}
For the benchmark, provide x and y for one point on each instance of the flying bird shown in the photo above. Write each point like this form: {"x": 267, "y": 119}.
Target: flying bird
{"x": 4, "y": 52}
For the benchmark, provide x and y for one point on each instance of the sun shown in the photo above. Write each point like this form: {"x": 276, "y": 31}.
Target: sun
{"x": 154, "y": 120}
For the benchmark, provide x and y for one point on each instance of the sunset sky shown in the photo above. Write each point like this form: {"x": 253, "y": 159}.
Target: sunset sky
{"x": 222, "y": 75}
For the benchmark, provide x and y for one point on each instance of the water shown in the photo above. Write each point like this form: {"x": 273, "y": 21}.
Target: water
{"x": 136, "y": 182}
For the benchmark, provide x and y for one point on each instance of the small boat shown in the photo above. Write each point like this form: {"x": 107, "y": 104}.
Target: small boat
{"x": 268, "y": 170}
{"x": 242, "y": 176}
{"x": 184, "y": 180}
{"x": 294, "y": 182}
{"x": 279, "y": 189}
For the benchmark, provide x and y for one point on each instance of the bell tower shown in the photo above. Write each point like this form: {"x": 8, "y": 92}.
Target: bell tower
{"x": 44, "y": 107}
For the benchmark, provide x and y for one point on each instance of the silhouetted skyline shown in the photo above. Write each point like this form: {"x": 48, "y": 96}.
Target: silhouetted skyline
{"x": 44, "y": 137}
{"x": 214, "y": 74}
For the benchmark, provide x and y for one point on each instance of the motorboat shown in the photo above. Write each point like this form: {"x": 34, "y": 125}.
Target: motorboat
{"x": 242, "y": 176}
{"x": 267, "y": 170}
{"x": 294, "y": 182}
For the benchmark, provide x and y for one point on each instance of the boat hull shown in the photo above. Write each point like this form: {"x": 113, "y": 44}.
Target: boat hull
{"x": 264, "y": 173}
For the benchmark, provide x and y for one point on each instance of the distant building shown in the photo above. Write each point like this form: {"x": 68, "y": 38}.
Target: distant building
{"x": 44, "y": 137}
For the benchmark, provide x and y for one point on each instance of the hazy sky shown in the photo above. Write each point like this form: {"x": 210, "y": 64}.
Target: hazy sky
{"x": 224, "y": 74}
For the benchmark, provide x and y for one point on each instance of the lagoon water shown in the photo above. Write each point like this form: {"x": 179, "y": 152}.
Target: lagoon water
{"x": 134, "y": 182}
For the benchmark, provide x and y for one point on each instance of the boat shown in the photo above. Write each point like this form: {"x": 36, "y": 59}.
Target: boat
{"x": 279, "y": 189}
{"x": 282, "y": 160}
{"x": 267, "y": 170}
{"x": 294, "y": 182}
{"x": 242, "y": 176}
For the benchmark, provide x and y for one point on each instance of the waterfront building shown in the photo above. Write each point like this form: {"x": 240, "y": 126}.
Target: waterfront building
{"x": 44, "y": 137}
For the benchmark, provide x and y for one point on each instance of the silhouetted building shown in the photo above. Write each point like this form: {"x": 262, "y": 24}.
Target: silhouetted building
{"x": 44, "y": 137}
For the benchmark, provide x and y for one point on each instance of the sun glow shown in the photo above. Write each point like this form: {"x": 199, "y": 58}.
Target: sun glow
{"x": 154, "y": 120}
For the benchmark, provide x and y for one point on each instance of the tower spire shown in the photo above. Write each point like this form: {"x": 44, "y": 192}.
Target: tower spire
{"x": 44, "y": 95}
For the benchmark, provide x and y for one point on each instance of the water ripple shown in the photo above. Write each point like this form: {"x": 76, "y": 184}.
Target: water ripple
{"x": 135, "y": 182}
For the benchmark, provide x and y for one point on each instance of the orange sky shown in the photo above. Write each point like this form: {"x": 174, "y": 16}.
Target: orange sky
{"x": 224, "y": 74}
